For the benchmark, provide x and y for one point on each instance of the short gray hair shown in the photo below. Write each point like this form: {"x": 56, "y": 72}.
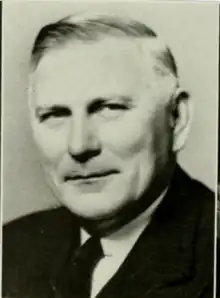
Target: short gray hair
{"x": 92, "y": 28}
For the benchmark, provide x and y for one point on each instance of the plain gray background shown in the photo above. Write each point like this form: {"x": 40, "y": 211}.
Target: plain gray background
{"x": 191, "y": 30}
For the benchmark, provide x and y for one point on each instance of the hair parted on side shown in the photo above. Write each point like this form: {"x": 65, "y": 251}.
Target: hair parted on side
{"x": 90, "y": 27}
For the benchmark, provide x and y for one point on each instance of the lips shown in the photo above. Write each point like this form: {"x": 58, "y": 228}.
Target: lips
{"x": 90, "y": 176}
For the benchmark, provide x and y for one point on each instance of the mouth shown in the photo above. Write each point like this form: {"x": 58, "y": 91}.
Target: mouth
{"x": 91, "y": 177}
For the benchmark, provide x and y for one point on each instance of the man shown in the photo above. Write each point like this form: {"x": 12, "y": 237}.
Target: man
{"x": 109, "y": 117}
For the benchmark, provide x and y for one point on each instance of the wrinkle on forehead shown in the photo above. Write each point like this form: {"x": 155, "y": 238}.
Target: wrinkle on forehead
{"x": 135, "y": 60}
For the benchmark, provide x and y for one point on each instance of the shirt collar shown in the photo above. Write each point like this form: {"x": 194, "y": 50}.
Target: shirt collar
{"x": 121, "y": 242}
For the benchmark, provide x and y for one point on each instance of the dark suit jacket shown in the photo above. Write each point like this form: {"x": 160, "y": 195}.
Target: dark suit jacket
{"x": 173, "y": 258}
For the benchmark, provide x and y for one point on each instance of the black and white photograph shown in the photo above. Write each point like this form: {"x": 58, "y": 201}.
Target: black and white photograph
{"x": 109, "y": 149}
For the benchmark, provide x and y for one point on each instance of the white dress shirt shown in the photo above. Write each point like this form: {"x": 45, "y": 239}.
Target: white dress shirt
{"x": 117, "y": 246}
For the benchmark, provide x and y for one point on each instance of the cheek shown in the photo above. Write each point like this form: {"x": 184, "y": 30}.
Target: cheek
{"x": 51, "y": 144}
{"x": 128, "y": 135}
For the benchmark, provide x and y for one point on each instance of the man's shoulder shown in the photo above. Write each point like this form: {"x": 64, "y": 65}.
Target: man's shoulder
{"x": 39, "y": 224}
{"x": 197, "y": 208}
{"x": 187, "y": 219}
{"x": 190, "y": 186}
{"x": 35, "y": 243}
{"x": 34, "y": 246}
{"x": 199, "y": 198}
{"x": 192, "y": 205}
{"x": 203, "y": 196}
{"x": 204, "y": 200}
{"x": 204, "y": 233}
{"x": 202, "y": 189}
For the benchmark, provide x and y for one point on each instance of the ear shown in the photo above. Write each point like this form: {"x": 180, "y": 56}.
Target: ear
{"x": 181, "y": 115}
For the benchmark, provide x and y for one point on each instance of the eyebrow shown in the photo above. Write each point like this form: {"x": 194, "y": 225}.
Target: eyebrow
{"x": 51, "y": 108}
{"x": 122, "y": 98}
{"x": 95, "y": 101}
{"x": 42, "y": 112}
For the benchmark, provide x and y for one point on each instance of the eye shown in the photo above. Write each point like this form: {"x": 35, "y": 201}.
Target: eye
{"x": 116, "y": 106}
{"x": 112, "y": 110}
{"x": 110, "y": 107}
{"x": 107, "y": 109}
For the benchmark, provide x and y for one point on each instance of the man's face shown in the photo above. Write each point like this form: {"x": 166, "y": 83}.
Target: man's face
{"x": 99, "y": 117}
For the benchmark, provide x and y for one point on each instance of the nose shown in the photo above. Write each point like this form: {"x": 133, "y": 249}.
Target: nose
{"x": 83, "y": 142}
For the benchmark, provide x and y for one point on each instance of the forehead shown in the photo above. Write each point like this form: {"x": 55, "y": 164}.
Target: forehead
{"x": 89, "y": 69}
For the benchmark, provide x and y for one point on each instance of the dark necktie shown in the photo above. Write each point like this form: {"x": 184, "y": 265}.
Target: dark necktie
{"x": 76, "y": 276}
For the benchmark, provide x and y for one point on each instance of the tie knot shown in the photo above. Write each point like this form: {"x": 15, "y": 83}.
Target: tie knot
{"x": 91, "y": 251}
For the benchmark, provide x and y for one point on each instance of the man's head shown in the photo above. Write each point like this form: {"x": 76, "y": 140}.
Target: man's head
{"x": 107, "y": 113}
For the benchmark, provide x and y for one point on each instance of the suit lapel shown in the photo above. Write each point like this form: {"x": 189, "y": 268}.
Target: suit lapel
{"x": 63, "y": 253}
{"x": 164, "y": 254}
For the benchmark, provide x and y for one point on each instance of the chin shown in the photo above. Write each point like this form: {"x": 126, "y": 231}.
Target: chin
{"x": 92, "y": 206}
